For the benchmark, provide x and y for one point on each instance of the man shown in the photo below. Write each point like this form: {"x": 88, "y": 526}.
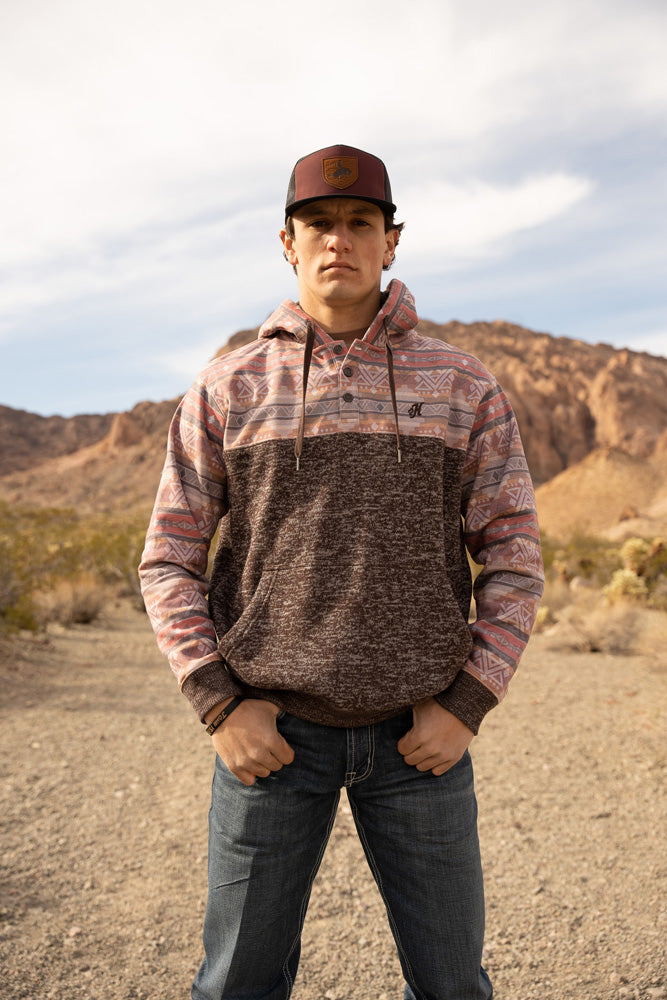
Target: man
{"x": 350, "y": 462}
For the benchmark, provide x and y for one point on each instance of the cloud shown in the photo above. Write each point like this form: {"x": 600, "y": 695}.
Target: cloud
{"x": 190, "y": 267}
{"x": 118, "y": 115}
{"x": 449, "y": 224}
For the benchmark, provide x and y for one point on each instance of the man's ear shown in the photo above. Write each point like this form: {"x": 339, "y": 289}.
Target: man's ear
{"x": 392, "y": 238}
{"x": 288, "y": 247}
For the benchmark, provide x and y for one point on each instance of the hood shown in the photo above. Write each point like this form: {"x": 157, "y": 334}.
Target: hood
{"x": 396, "y": 316}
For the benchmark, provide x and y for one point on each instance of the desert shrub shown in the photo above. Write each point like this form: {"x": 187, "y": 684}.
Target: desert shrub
{"x": 583, "y": 556}
{"x": 73, "y": 557}
{"x": 75, "y": 601}
{"x": 10, "y": 587}
{"x": 644, "y": 573}
{"x": 587, "y": 626}
{"x": 635, "y": 570}
{"x": 599, "y": 596}
{"x": 625, "y": 585}
{"x": 622, "y": 629}
{"x": 634, "y": 552}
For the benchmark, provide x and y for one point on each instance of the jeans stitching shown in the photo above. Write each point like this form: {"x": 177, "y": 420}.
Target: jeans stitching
{"x": 378, "y": 880}
{"x": 349, "y": 740}
{"x": 371, "y": 756}
{"x": 304, "y": 902}
{"x": 351, "y": 776}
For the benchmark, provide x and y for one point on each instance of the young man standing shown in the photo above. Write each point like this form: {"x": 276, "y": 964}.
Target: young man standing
{"x": 349, "y": 462}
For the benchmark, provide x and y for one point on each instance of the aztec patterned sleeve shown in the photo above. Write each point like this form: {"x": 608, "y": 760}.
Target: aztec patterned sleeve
{"x": 501, "y": 534}
{"x": 190, "y": 501}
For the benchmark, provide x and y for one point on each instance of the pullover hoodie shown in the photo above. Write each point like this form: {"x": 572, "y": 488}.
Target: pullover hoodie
{"x": 350, "y": 483}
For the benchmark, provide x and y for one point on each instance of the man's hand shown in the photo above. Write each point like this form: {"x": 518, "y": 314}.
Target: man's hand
{"x": 437, "y": 739}
{"x": 249, "y": 742}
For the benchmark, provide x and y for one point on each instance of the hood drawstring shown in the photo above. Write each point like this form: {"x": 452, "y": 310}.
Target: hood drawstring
{"x": 392, "y": 387}
{"x": 307, "y": 355}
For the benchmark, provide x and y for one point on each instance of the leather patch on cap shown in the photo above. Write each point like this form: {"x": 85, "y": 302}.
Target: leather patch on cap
{"x": 340, "y": 171}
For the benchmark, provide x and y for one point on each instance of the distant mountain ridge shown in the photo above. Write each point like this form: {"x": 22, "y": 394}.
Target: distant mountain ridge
{"x": 572, "y": 400}
{"x": 27, "y": 438}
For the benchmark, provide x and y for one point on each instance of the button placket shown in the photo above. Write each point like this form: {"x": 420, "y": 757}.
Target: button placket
{"x": 348, "y": 393}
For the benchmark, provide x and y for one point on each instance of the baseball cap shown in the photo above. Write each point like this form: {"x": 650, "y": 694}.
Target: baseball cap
{"x": 339, "y": 171}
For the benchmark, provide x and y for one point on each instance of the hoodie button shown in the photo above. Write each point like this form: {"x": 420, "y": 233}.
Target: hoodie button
{"x": 338, "y": 349}
{"x": 348, "y": 397}
{"x": 347, "y": 371}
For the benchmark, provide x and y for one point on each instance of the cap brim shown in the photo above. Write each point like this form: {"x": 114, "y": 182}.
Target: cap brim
{"x": 386, "y": 206}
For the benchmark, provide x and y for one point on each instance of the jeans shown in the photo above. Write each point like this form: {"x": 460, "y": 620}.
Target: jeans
{"x": 266, "y": 842}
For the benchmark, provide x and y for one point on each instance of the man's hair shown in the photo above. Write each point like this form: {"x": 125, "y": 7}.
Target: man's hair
{"x": 389, "y": 224}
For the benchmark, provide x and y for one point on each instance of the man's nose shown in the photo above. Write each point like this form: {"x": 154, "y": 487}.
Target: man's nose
{"x": 339, "y": 237}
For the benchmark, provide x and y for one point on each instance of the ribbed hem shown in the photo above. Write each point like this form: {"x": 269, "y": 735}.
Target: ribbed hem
{"x": 211, "y": 684}
{"x": 468, "y": 700}
{"x": 312, "y": 708}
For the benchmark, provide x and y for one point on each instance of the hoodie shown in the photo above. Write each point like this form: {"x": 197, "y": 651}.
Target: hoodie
{"x": 349, "y": 486}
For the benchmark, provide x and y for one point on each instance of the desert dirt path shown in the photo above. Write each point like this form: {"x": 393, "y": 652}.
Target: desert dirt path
{"x": 104, "y": 784}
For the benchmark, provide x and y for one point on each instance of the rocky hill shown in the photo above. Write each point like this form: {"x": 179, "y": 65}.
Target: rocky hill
{"x": 590, "y": 408}
{"x": 26, "y": 439}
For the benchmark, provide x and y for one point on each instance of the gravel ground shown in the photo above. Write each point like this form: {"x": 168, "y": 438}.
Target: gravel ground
{"x": 104, "y": 787}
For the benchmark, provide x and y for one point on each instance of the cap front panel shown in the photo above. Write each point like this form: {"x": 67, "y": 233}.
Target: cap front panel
{"x": 339, "y": 170}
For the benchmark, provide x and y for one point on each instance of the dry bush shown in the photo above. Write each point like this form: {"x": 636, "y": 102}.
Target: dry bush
{"x": 599, "y": 597}
{"x": 625, "y": 585}
{"x": 75, "y": 601}
{"x": 582, "y": 557}
{"x": 651, "y": 636}
{"x": 589, "y": 623}
{"x": 634, "y": 553}
{"x": 595, "y": 628}
{"x": 56, "y": 564}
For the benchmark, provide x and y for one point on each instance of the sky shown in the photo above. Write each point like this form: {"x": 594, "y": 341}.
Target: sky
{"x": 147, "y": 146}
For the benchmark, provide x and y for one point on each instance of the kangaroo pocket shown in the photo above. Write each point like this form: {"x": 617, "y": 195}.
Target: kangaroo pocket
{"x": 358, "y": 636}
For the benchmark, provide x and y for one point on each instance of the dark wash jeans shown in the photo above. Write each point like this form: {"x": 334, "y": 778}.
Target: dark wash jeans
{"x": 266, "y": 842}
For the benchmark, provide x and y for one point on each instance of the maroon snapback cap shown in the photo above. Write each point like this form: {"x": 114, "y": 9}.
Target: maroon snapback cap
{"x": 339, "y": 171}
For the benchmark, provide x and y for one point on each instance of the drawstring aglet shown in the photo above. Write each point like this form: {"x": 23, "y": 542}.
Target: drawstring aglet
{"x": 398, "y": 451}
{"x": 297, "y": 463}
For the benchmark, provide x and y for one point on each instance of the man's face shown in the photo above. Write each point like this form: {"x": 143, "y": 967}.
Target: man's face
{"x": 339, "y": 248}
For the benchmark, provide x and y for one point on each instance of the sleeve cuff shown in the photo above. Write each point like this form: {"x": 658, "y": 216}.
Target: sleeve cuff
{"x": 205, "y": 687}
{"x": 468, "y": 700}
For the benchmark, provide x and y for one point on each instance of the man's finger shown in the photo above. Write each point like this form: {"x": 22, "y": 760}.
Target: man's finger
{"x": 283, "y": 752}
{"x": 442, "y": 768}
{"x": 408, "y": 743}
{"x": 245, "y": 777}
